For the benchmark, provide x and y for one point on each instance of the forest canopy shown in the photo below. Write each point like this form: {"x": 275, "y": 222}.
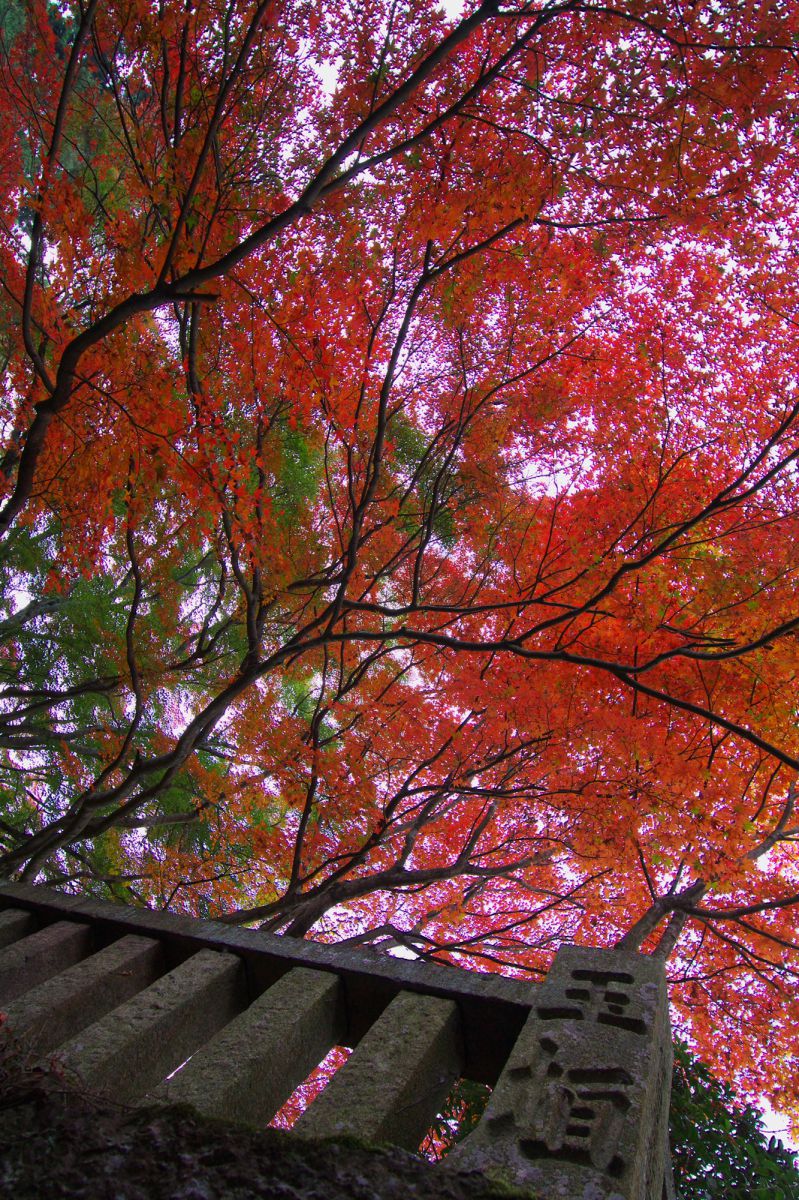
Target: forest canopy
{"x": 399, "y": 425}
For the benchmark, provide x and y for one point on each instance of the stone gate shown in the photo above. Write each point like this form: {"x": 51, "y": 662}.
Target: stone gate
{"x": 155, "y": 1007}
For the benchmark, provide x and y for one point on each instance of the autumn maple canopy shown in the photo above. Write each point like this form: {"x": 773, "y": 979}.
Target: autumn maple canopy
{"x": 400, "y": 425}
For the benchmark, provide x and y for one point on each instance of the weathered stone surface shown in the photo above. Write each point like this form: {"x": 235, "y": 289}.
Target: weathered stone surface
{"x": 253, "y": 1065}
{"x": 129, "y": 1051}
{"x": 62, "y": 1006}
{"x": 580, "y": 1110}
{"x": 30, "y": 961}
{"x": 669, "y": 1189}
{"x": 15, "y": 924}
{"x": 396, "y": 1079}
{"x": 56, "y": 1145}
{"x": 493, "y": 1009}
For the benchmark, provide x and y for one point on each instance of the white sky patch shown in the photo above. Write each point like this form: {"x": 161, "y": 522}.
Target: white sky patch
{"x": 327, "y": 73}
{"x": 20, "y": 597}
{"x": 774, "y": 1122}
{"x": 402, "y": 952}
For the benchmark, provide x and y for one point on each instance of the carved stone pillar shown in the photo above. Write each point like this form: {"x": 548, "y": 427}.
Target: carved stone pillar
{"x": 580, "y": 1111}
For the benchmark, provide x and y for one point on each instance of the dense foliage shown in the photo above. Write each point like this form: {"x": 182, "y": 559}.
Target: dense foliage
{"x": 719, "y": 1147}
{"x": 399, "y": 424}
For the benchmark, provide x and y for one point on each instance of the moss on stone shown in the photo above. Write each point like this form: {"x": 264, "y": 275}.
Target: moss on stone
{"x": 56, "y": 1141}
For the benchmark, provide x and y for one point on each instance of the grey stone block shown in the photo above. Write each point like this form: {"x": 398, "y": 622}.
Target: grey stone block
{"x": 580, "y": 1110}
{"x": 15, "y": 923}
{"x": 253, "y": 1065}
{"x": 492, "y": 1009}
{"x": 60, "y": 1007}
{"x": 396, "y": 1078}
{"x": 30, "y": 961}
{"x": 129, "y": 1051}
